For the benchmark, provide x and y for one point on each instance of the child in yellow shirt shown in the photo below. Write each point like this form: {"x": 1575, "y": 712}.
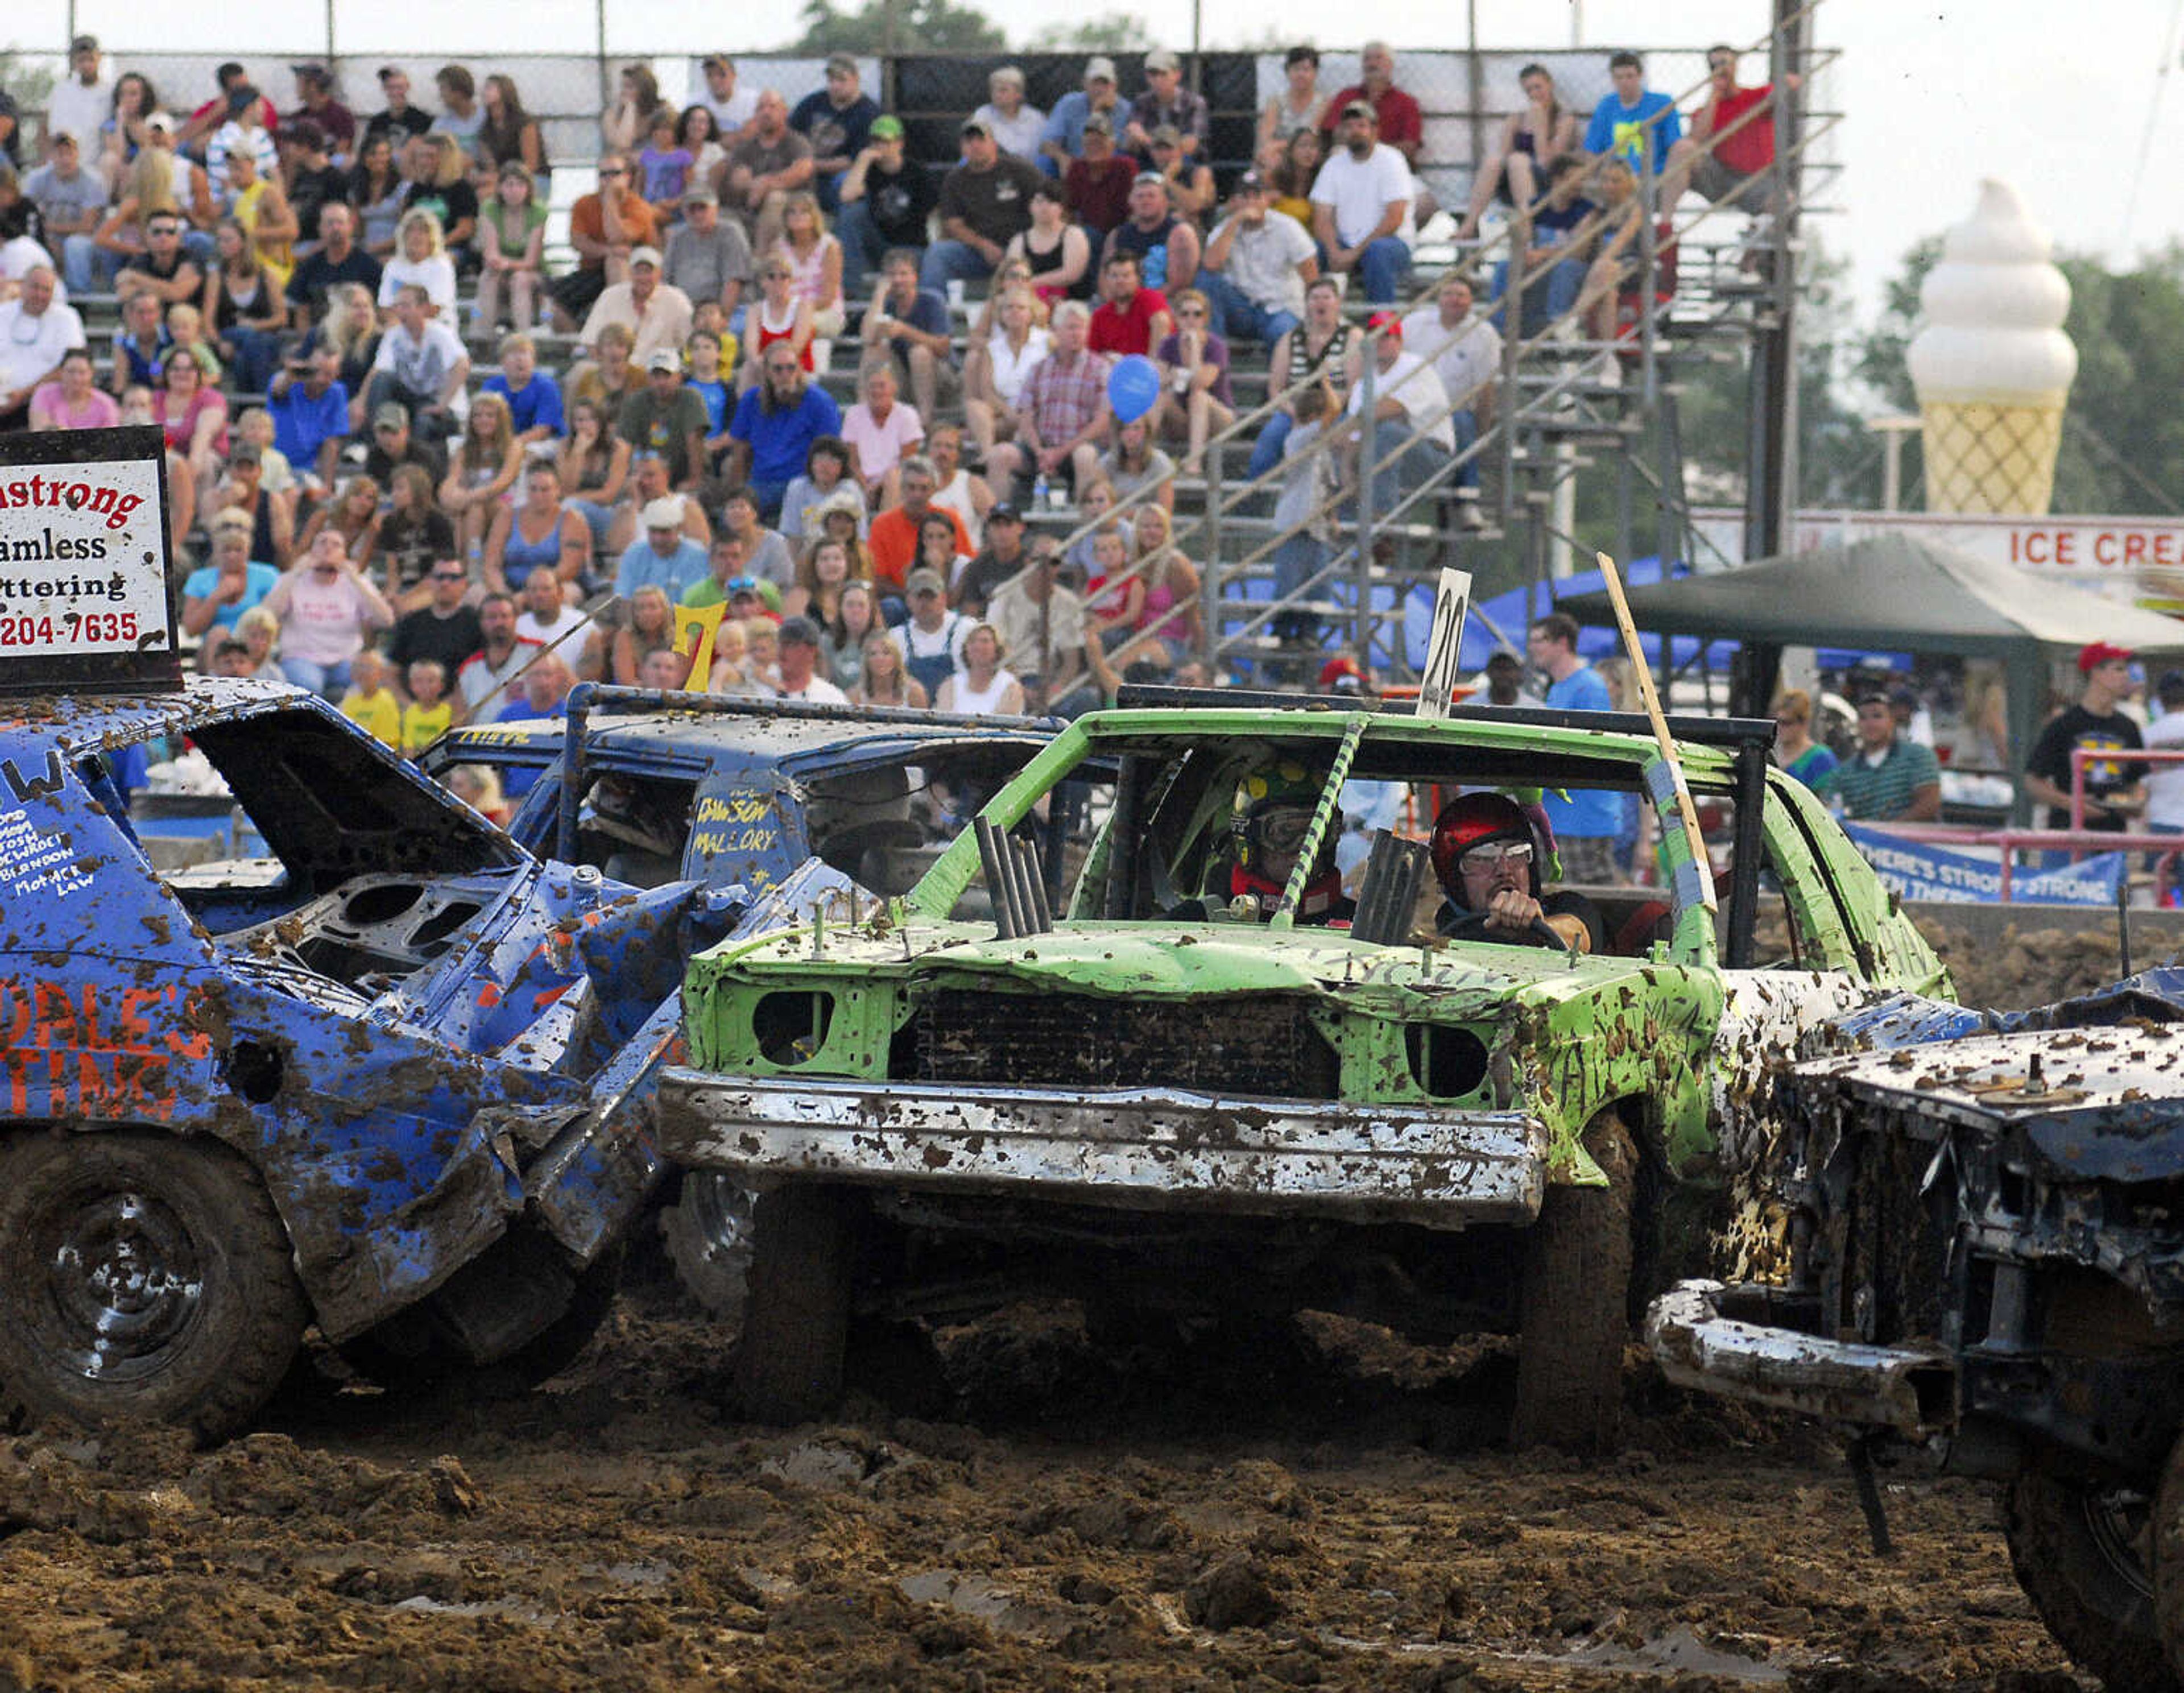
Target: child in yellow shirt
{"x": 430, "y": 713}
{"x": 369, "y": 702}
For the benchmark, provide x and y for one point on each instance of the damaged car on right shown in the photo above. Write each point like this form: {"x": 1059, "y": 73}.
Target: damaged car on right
{"x": 1984, "y": 1223}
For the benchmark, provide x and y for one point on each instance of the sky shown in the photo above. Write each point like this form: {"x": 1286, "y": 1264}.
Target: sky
{"x": 2053, "y": 99}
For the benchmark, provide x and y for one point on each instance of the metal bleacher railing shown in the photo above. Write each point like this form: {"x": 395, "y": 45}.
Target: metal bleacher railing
{"x": 1543, "y": 377}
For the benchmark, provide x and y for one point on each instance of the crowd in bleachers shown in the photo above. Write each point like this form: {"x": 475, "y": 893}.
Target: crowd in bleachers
{"x": 785, "y": 368}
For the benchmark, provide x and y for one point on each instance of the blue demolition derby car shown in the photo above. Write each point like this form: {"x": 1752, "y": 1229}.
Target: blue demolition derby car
{"x": 393, "y": 1079}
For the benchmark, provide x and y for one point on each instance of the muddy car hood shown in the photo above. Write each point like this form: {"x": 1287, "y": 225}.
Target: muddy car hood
{"x": 2106, "y": 1104}
{"x": 1185, "y": 961}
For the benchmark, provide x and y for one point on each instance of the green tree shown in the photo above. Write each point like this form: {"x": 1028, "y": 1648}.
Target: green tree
{"x": 1104, "y": 32}
{"x": 897, "y": 26}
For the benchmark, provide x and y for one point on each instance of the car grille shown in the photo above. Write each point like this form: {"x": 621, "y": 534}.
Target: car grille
{"x": 1262, "y": 1043}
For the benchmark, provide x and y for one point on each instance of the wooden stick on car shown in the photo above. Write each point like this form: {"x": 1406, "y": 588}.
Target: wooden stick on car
{"x": 1613, "y": 579}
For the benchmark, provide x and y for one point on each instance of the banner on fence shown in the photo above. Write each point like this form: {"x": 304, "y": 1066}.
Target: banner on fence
{"x": 1920, "y": 869}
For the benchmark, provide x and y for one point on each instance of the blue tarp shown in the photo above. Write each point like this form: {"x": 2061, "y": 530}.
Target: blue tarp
{"x": 1920, "y": 869}
{"x": 1511, "y": 612}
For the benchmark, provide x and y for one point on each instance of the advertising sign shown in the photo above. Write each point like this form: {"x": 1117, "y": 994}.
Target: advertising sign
{"x": 1920, "y": 869}
{"x": 86, "y": 600}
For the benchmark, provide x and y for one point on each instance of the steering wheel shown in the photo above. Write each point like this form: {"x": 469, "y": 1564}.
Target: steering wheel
{"x": 1472, "y": 926}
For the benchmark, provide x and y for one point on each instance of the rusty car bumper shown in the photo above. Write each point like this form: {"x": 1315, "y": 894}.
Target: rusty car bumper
{"x": 1910, "y": 1390}
{"x": 1143, "y": 1147}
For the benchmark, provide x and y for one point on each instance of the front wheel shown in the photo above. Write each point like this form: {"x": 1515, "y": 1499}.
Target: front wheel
{"x": 2083, "y": 1554}
{"x": 1574, "y": 1310}
{"x": 147, "y": 1278}
{"x": 707, "y": 1233}
{"x": 796, "y": 1326}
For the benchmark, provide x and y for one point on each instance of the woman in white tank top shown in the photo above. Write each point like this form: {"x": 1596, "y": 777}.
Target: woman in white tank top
{"x": 982, "y": 688}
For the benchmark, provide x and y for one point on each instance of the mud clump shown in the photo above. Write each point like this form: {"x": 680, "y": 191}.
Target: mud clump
{"x": 620, "y": 1534}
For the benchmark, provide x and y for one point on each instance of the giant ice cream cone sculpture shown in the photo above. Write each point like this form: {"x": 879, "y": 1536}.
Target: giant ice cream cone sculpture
{"x": 1993, "y": 366}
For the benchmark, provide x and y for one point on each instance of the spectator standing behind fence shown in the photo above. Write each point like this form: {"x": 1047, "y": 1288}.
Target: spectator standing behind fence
{"x": 1256, "y": 267}
{"x": 837, "y": 119}
{"x": 1017, "y": 125}
{"x": 886, "y": 201}
{"x": 1636, "y": 124}
{"x": 1398, "y": 121}
{"x": 1064, "y": 139}
{"x": 2114, "y": 786}
{"x": 1361, "y": 206}
{"x": 770, "y": 162}
{"x": 985, "y": 204}
{"x": 1530, "y": 143}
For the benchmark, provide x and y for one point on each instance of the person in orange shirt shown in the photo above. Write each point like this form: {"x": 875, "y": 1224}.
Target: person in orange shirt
{"x": 606, "y": 227}
{"x": 893, "y": 538}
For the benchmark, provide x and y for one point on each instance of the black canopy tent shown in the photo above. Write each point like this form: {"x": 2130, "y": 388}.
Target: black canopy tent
{"x": 1898, "y": 591}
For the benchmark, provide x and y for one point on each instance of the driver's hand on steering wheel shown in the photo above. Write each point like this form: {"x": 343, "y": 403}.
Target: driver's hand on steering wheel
{"x": 1512, "y": 911}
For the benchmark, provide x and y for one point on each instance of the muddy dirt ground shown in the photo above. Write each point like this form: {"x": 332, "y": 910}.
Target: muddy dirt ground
{"x": 1338, "y": 1516}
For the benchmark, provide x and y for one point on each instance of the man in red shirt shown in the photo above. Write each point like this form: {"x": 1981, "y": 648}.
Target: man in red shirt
{"x": 1098, "y": 184}
{"x": 1739, "y": 124}
{"x": 1402, "y": 124}
{"x": 1131, "y": 318}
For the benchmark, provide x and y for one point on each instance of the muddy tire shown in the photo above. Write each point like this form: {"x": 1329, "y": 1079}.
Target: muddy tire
{"x": 2082, "y": 1556}
{"x": 410, "y": 1354}
{"x": 147, "y": 1278}
{"x": 788, "y": 1364}
{"x": 1574, "y": 1307}
{"x": 707, "y": 1234}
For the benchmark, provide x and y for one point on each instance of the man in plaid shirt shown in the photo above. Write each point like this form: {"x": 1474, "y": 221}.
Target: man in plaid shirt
{"x": 1062, "y": 414}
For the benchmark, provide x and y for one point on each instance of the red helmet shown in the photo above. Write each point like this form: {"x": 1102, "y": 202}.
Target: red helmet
{"x": 1466, "y": 820}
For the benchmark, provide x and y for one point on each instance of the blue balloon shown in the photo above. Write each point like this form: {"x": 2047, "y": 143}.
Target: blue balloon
{"x": 1132, "y": 387}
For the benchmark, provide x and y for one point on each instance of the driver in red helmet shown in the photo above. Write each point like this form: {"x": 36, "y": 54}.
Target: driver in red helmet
{"x": 1490, "y": 857}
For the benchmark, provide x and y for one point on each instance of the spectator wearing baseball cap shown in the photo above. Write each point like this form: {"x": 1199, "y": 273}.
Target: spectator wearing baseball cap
{"x": 1255, "y": 267}
{"x": 1096, "y": 187}
{"x": 1361, "y": 211}
{"x": 708, "y": 256}
{"x": 838, "y": 120}
{"x": 985, "y": 204}
{"x": 663, "y": 557}
{"x": 887, "y": 200}
{"x": 2115, "y": 788}
{"x": 315, "y": 103}
{"x": 657, "y": 313}
{"x": 1167, "y": 103}
{"x": 1064, "y": 138}
{"x": 666, "y": 416}
{"x": 1407, "y": 393}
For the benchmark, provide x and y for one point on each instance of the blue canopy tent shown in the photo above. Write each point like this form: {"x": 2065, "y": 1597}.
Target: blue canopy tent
{"x": 1513, "y": 612}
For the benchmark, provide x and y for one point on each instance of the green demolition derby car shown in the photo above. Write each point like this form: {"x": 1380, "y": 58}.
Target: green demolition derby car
{"x": 1192, "y": 1096}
